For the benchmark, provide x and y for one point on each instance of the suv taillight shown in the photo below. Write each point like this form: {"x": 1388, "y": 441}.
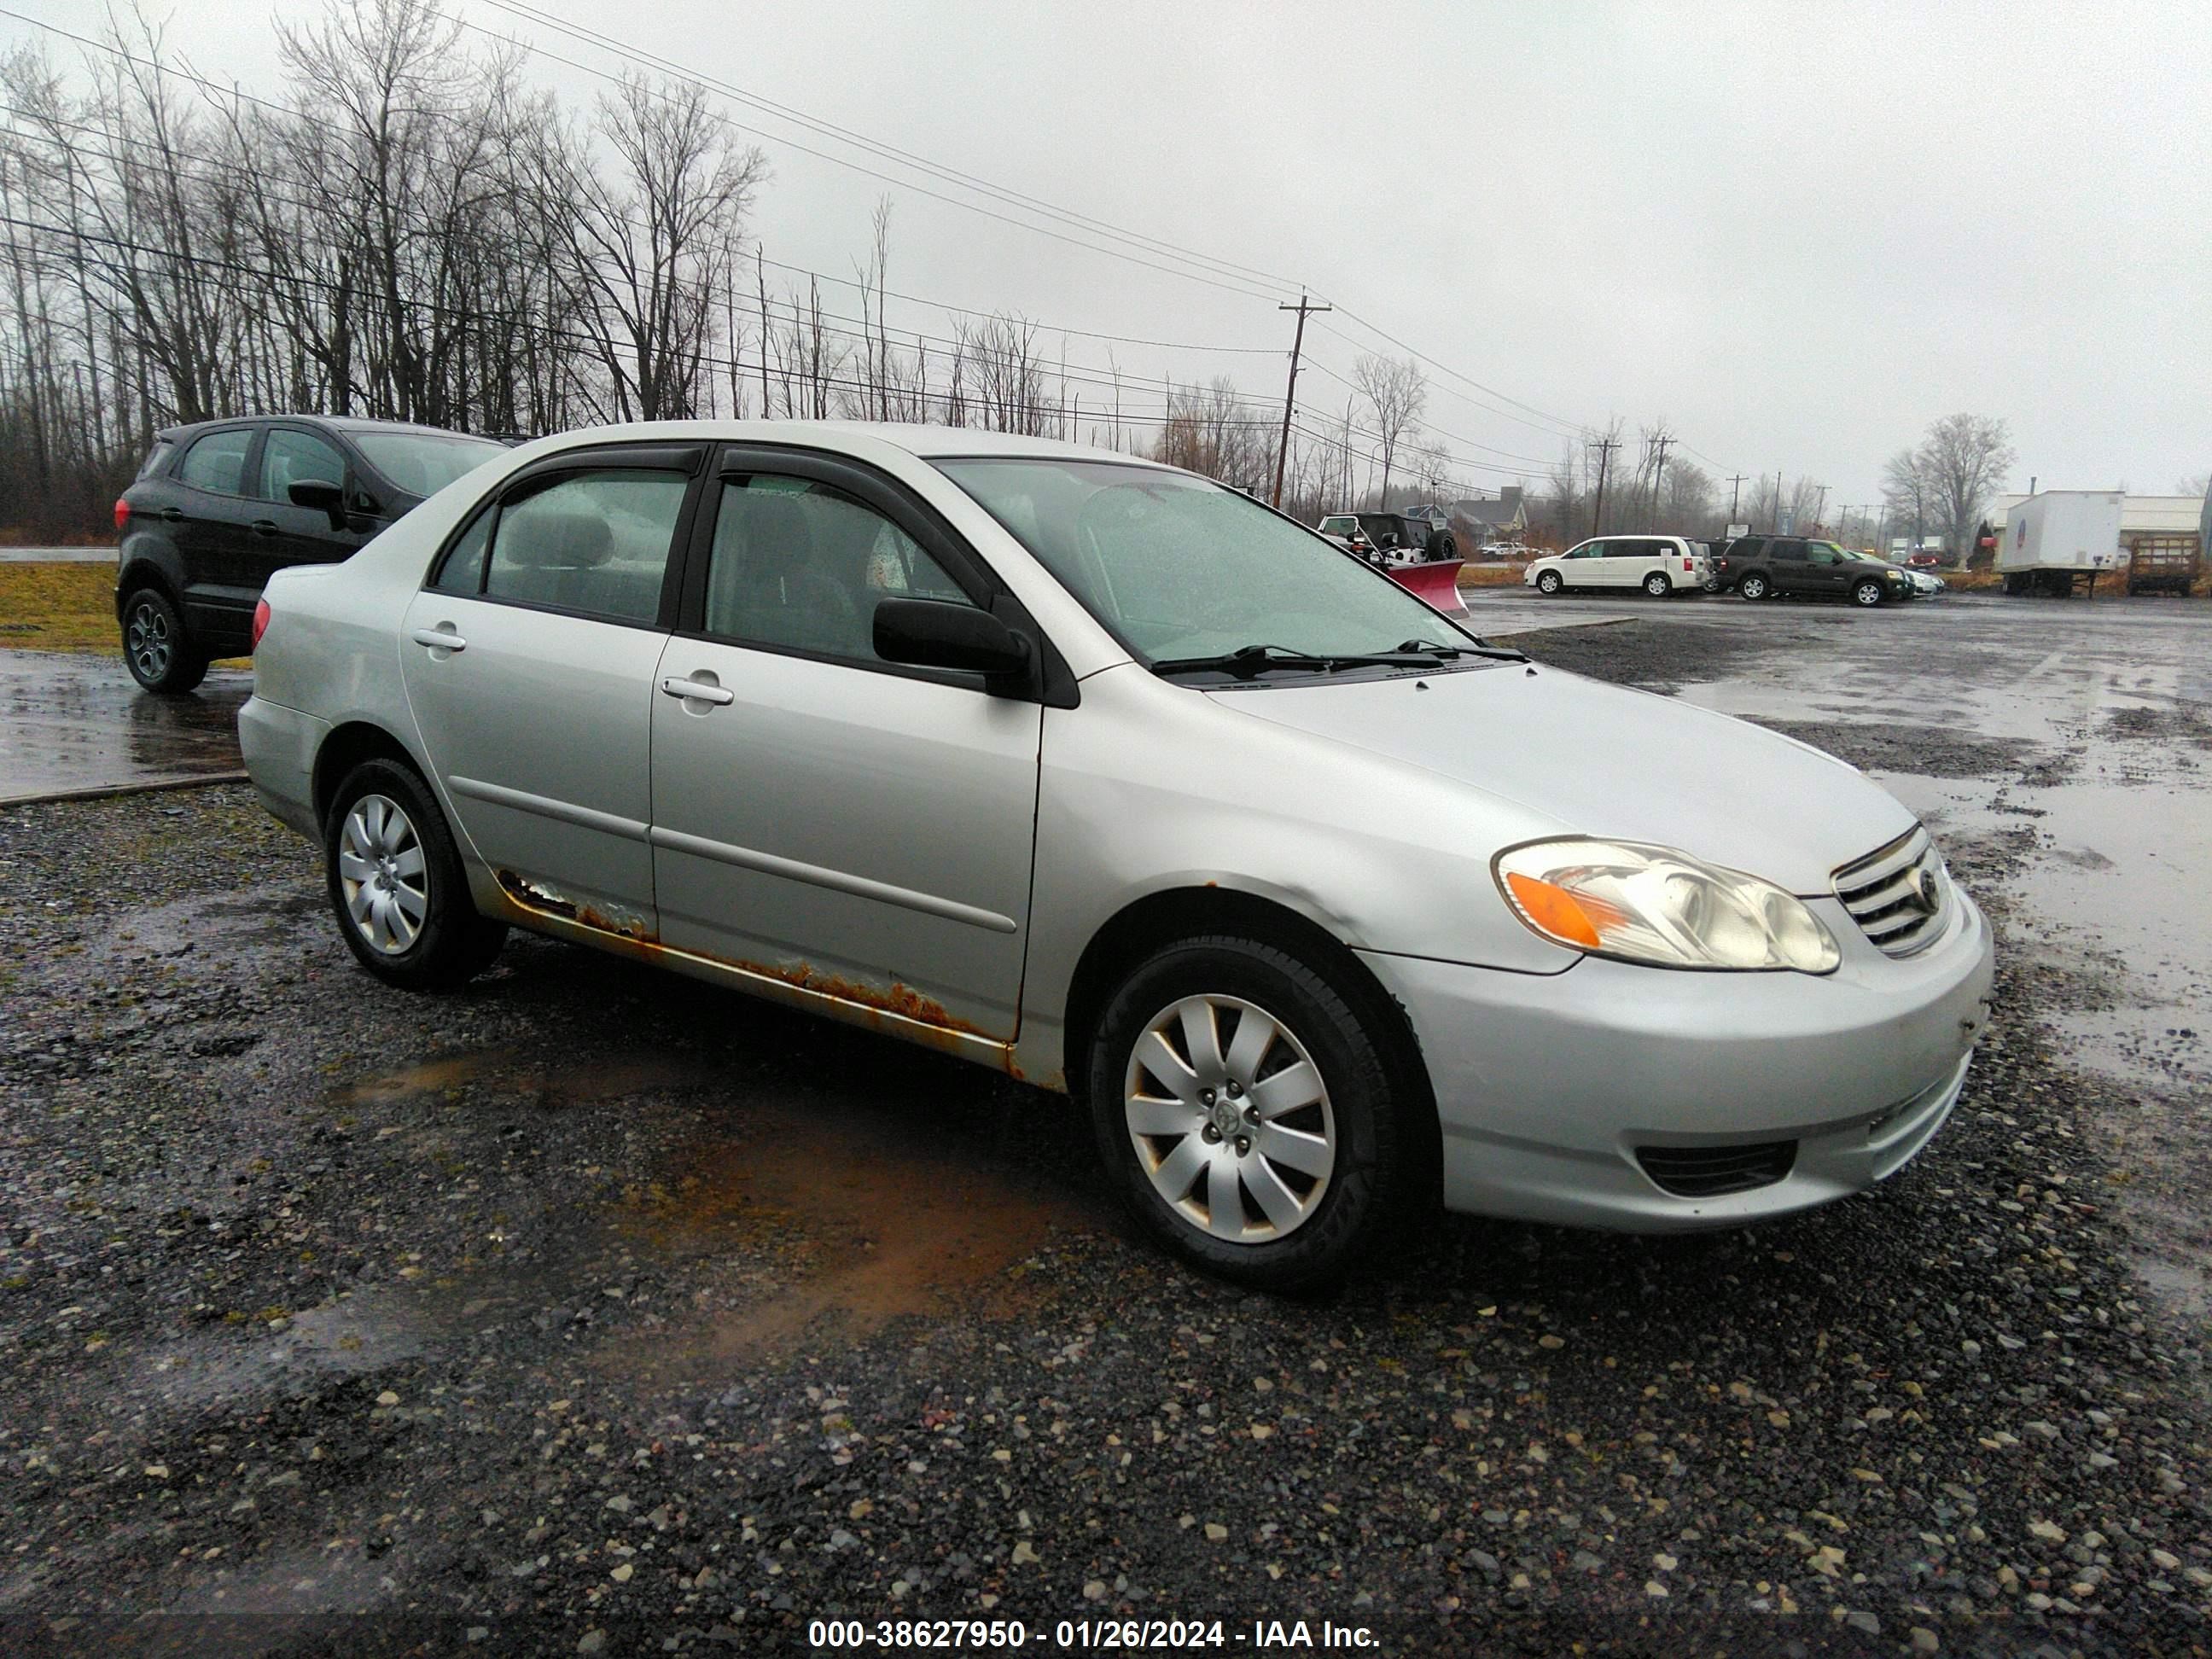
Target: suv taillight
{"x": 260, "y": 623}
{"x": 122, "y": 511}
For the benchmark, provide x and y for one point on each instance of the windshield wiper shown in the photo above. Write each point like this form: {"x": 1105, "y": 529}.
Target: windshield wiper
{"x": 1480, "y": 648}
{"x": 1250, "y": 660}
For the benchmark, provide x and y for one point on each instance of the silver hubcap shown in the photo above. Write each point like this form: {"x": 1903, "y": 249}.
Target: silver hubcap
{"x": 1870, "y": 594}
{"x": 147, "y": 640}
{"x": 381, "y": 872}
{"x": 1231, "y": 1119}
{"x": 1654, "y": 586}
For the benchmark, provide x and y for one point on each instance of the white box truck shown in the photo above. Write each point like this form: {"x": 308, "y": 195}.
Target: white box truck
{"x": 2059, "y": 538}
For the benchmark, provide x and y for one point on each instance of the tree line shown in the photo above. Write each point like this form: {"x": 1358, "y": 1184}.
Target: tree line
{"x": 407, "y": 229}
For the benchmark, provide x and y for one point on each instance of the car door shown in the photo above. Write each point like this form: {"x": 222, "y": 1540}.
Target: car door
{"x": 528, "y": 661}
{"x": 1592, "y": 565}
{"x": 1826, "y": 570}
{"x": 285, "y": 534}
{"x": 213, "y": 510}
{"x": 1631, "y": 560}
{"x": 819, "y": 815}
{"x": 1785, "y": 565}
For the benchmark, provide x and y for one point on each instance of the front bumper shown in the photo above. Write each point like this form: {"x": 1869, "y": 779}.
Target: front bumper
{"x": 1547, "y": 1086}
{"x": 279, "y": 746}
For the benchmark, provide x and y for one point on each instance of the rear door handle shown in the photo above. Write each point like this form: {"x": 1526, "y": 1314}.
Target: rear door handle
{"x": 171, "y": 515}
{"x": 441, "y": 639}
{"x": 263, "y": 526}
{"x": 697, "y": 691}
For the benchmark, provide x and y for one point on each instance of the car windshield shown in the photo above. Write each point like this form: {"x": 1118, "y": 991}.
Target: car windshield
{"x": 424, "y": 463}
{"x": 1179, "y": 568}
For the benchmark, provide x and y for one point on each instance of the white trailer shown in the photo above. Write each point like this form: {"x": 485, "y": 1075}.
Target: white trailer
{"x": 2061, "y": 537}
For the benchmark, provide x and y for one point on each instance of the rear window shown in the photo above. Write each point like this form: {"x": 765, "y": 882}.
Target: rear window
{"x": 156, "y": 458}
{"x": 217, "y": 462}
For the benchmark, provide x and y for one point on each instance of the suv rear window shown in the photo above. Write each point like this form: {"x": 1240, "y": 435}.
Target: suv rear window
{"x": 216, "y": 462}
{"x": 155, "y": 457}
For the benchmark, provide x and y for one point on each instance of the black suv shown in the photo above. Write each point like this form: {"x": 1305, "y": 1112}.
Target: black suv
{"x": 1765, "y": 567}
{"x": 220, "y": 505}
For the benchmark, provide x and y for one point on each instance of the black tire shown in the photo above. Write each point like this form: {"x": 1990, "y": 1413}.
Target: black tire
{"x": 1754, "y": 587}
{"x": 1867, "y": 593}
{"x": 1548, "y": 583}
{"x": 1368, "y": 1181}
{"x": 1446, "y": 548}
{"x": 452, "y": 943}
{"x": 1658, "y": 584}
{"x": 159, "y": 655}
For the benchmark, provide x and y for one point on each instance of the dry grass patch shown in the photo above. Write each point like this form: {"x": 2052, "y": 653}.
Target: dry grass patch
{"x": 58, "y": 607}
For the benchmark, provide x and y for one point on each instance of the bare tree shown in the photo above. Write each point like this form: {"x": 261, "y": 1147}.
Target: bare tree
{"x": 1964, "y": 461}
{"x": 1396, "y": 391}
{"x": 650, "y": 245}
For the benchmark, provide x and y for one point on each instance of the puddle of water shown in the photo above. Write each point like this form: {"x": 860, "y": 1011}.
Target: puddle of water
{"x": 80, "y": 722}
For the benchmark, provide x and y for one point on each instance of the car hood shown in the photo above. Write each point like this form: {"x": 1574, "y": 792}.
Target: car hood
{"x": 1601, "y": 760}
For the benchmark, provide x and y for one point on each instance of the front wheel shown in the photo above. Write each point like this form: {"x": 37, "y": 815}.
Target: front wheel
{"x": 161, "y": 655}
{"x": 1548, "y": 583}
{"x": 1246, "y": 1114}
{"x": 1868, "y": 593}
{"x": 396, "y": 882}
{"x": 1753, "y": 587}
{"x": 1657, "y": 586}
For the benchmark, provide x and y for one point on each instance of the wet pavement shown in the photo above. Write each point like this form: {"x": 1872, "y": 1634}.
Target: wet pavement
{"x": 595, "y": 1309}
{"x": 75, "y": 724}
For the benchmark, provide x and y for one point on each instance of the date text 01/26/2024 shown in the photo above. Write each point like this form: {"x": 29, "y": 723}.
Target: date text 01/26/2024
{"x": 1123, "y": 1635}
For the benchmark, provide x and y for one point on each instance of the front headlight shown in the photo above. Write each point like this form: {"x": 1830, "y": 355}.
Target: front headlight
{"x": 1656, "y": 905}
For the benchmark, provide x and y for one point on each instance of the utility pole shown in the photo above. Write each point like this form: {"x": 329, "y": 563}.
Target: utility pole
{"x": 1820, "y": 512}
{"x": 1605, "y": 448}
{"x": 1777, "y": 525}
{"x": 1659, "y": 445}
{"x": 1735, "y": 489}
{"x": 1290, "y": 392}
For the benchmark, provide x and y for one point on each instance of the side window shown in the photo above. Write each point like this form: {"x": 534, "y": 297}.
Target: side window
{"x": 291, "y": 457}
{"x": 797, "y": 563}
{"x": 217, "y": 463}
{"x": 1787, "y": 549}
{"x": 1824, "y": 556}
{"x": 463, "y": 571}
{"x": 1746, "y": 547}
{"x": 1589, "y": 550}
{"x": 595, "y": 542}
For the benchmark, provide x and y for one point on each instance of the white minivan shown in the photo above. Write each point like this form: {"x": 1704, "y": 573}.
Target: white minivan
{"x": 1657, "y": 564}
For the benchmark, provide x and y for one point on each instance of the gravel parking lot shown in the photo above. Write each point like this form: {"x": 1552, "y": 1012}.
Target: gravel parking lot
{"x": 595, "y": 1310}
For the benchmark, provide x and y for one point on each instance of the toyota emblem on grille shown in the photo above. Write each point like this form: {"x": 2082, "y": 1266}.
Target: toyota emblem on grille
{"x": 1924, "y": 892}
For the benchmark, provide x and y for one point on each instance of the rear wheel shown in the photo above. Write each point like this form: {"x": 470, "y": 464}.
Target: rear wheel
{"x": 161, "y": 655}
{"x": 1245, "y": 1113}
{"x": 1658, "y": 585}
{"x": 396, "y": 882}
{"x": 1548, "y": 582}
{"x": 1867, "y": 593}
{"x": 1753, "y": 587}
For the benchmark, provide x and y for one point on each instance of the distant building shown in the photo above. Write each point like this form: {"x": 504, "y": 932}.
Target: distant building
{"x": 1500, "y": 518}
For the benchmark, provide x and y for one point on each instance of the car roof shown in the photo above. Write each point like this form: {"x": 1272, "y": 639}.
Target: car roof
{"x": 348, "y": 423}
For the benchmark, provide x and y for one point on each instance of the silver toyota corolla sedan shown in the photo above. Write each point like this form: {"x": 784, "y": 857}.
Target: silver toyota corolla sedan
{"x": 1099, "y": 774}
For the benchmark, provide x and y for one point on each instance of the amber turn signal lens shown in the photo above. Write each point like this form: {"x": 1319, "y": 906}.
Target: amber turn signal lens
{"x": 1554, "y": 909}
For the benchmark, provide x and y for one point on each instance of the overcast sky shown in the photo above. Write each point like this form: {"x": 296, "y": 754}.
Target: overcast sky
{"x": 1799, "y": 234}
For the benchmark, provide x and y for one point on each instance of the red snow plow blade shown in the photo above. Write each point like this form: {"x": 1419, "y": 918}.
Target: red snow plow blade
{"x": 1437, "y": 584}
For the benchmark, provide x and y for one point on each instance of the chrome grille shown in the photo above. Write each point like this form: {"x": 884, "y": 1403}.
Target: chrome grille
{"x": 1900, "y": 895}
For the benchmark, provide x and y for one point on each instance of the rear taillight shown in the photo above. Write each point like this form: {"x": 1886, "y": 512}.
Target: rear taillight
{"x": 1686, "y": 564}
{"x": 260, "y": 623}
{"x": 122, "y": 511}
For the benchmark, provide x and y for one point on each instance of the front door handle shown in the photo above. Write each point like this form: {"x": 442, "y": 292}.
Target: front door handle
{"x": 441, "y": 639}
{"x": 697, "y": 691}
{"x": 263, "y": 526}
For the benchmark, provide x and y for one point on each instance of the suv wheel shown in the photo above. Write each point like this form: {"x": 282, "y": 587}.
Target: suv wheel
{"x": 1658, "y": 585}
{"x": 1548, "y": 582}
{"x": 396, "y": 882}
{"x": 1245, "y": 1113}
{"x": 1868, "y": 592}
{"x": 1753, "y": 587}
{"x": 160, "y": 653}
{"x": 1446, "y": 548}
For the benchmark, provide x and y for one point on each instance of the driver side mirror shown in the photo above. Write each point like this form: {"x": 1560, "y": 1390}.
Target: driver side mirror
{"x": 321, "y": 495}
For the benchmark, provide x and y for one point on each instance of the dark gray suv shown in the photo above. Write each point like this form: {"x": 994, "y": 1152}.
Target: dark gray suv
{"x": 220, "y": 505}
